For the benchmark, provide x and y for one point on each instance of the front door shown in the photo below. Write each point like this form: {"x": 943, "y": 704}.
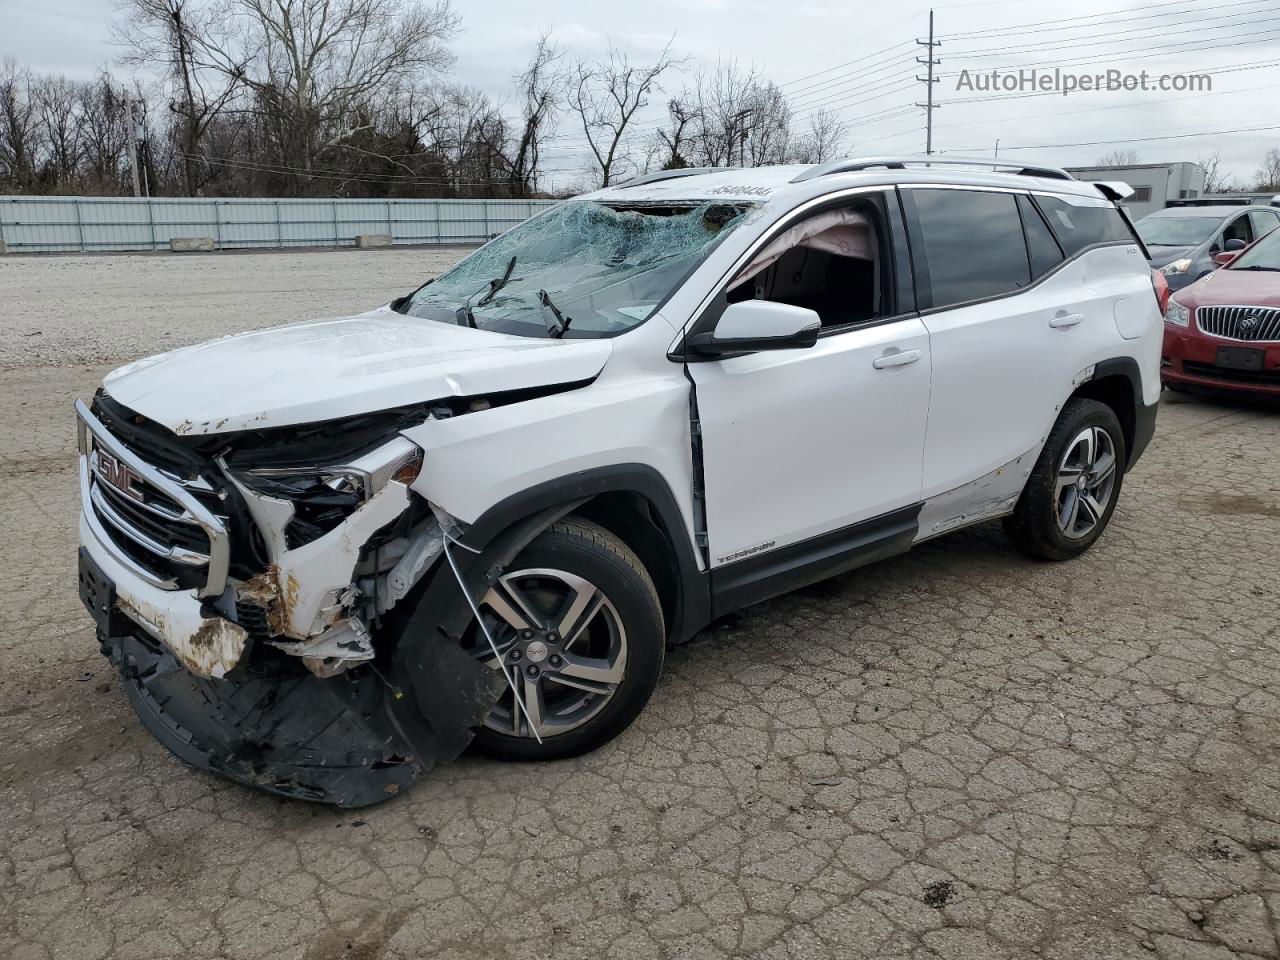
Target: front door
{"x": 800, "y": 445}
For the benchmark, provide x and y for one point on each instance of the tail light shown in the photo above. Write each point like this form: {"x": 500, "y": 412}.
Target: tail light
{"x": 1161, "y": 287}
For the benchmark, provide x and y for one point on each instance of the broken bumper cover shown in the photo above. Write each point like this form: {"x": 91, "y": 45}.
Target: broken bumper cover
{"x": 351, "y": 740}
{"x": 282, "y": 730}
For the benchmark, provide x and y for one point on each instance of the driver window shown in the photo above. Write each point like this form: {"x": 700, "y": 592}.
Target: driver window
{"x": 830, "y": 262}
{"x": 1238, "y": 229}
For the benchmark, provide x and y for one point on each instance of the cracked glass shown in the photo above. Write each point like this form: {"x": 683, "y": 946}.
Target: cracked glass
{"x": 582, "y": 269}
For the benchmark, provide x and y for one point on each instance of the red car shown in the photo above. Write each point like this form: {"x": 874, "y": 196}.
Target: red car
{"x": 1224, "y": 331}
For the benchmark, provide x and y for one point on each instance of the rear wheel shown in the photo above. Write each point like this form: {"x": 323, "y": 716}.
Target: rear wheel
{"x": 576, "y": 625}
{"x": 1072, "y": 492}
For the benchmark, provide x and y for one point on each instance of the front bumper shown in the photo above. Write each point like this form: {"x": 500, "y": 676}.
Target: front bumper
{"x": 268, "y": 723}
{"x": 1189, "y": 358}
{"x": 224, "y": 701}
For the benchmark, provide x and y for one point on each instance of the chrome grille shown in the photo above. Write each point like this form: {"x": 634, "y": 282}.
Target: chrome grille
{"x": 163, "y": 528}
{"x": 1240, "y": 323}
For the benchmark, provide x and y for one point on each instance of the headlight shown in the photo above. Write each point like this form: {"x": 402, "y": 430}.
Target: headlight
{"x": 1177, "y": 314}
{"x": 1177, "y": 266}
{"x": 323, "y": 497}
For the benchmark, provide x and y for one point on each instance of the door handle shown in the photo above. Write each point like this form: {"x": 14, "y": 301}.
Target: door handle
{"x": 899, "y": 359}
{"x": 1063, "y": 320}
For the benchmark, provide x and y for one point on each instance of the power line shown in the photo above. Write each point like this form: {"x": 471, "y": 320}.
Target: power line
{"x": 1094, "y": 19}
{"x": 1102, "y": 143}
{"x": 1051, "y": 45}
{"x": 1152, "y": 53}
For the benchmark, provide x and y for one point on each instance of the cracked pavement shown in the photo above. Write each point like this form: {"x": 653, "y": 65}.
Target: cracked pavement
{"x": 958, "y": 753}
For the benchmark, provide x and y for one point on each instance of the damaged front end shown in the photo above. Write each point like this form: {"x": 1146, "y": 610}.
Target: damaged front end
{"x": 253, "y": 601}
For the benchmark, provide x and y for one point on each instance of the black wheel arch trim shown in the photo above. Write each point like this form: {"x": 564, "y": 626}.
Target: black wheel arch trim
{"x": 536, "y": 508}
{"x": 1144, "y": 415}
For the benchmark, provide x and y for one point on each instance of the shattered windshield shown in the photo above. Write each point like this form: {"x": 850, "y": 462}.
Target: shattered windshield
{"x": 582, "y": 269}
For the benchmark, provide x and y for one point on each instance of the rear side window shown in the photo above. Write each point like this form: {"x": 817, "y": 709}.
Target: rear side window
{"x": 1043, "y": 250}
{"x": 1077, "y": 227}
{"x": 1264, "y": 221}
{"x": 973, "y": 244}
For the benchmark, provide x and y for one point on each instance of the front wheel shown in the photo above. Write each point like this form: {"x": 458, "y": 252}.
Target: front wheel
{"x": 1072, "y": 492}
{"x": 576, "y": 625}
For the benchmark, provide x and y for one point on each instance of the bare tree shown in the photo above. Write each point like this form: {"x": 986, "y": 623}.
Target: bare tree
{"x": 541, "y": 86}
{"x": 606, "y": 94}
{"x": 730, "y": 115}
{"x": 680, "y": 117}
{"x": 60, "y": 120}
{"x": 19, "y": 128}
{"x": 825, "y": 139}
{"x": 1268, "y": 175}
{"x": 310, "y": 66}
{"x": 1118, "y": 158}
{"x": 104, "y": 131}
{"x": 1216, "y": 180}
{"x": 170, "y": 34}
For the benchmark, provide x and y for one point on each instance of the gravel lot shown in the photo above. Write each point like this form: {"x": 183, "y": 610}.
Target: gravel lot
{"x": 955, "y": 754}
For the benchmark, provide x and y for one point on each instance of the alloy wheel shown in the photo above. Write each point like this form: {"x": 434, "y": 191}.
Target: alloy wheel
{"x": 561, "y": 643}
{"x": 1086, "y": 482}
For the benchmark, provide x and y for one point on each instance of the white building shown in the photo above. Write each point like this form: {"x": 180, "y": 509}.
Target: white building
{"x": 1154, "y": 184}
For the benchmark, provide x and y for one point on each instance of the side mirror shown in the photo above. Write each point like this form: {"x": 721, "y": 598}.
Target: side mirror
{"x": 1222, "y": 259}
{"x": 754, "y": 325}
{"x": 1235, "y": 244}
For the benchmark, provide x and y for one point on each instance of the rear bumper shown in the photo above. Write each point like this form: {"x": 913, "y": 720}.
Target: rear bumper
{"x": 1189, "y": 359}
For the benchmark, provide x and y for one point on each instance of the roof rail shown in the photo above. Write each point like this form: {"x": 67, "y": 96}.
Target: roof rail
{"x": 670, "y": 175}
{"x": 853, "y": 164}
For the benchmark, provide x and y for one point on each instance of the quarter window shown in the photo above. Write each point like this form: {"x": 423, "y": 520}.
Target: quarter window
{"x": 973, "y": 244}
{"x": 1043, "y": 250}
{"x": 1077, "y": 227}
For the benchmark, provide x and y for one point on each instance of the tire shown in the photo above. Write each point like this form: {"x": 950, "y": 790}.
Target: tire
{"x": 1043, "y": 524}
{"x": 625, "y": 637}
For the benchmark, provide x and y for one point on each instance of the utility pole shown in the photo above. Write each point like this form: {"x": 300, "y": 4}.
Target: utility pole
{"x": 738, "y": 130}
{"x": 929, "y": 80}
{"x": 140, "y": 136}
{"x": 132, "y": 138}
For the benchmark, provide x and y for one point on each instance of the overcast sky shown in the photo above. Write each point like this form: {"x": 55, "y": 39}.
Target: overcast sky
{"x": 858, "y": 58}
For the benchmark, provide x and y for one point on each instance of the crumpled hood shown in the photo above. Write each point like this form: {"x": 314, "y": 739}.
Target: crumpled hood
{"x": 1162, "y": 255}
{"x": 324, "y": 369}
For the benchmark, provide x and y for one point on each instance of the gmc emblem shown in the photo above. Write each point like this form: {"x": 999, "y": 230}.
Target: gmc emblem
{"x": 112, "y": 471}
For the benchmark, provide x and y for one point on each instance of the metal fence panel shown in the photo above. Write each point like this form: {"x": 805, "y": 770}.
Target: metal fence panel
{"x": 67, "y": 224}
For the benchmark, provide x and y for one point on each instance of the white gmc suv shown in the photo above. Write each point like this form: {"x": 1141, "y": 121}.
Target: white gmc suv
{"x": 326, "y": 556}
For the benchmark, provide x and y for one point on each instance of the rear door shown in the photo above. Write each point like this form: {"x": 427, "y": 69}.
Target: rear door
{"x": 1012, "y": 322}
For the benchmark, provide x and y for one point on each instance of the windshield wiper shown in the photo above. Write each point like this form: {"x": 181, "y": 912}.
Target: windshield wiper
{"x": 557, "y": 328}
{"x": 498, "y": 284}
{"x": 1268, "y": 269}
{"x": 466, "y": 315}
